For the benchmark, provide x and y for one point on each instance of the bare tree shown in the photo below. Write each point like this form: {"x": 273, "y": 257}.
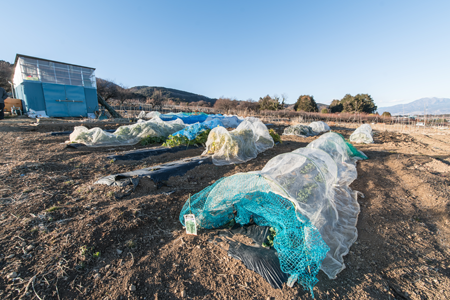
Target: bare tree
{"x": 157, "y": 98}
{"x": 123, "y": 94}
{"x": 225, "y": 104}
{"x": 249, "y": 105}
{"x": 107, "y": 89}
{"x": 284, "y": 96}
{"x": 6, "y": 70}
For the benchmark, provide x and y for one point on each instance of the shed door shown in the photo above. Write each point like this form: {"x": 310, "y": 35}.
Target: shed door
{"x": 64, "y": 100}
{"x": 76, "y": 101}
{"x": 52, "y": 94}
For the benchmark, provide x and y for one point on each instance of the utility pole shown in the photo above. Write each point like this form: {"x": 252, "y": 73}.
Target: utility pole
{"x": 424, "y": 115}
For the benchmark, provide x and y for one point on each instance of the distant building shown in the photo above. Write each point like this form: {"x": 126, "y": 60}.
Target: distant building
{"x": 56, "y": 88}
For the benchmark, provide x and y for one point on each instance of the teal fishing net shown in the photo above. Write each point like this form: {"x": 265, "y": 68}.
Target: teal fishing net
{"x": 352, "y": 151}
{"x": 248, "y": 197}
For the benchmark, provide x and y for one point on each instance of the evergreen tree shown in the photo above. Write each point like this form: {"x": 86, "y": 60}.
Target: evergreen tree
{"x": 358, "y": 103}
{"x": 336, "y": 106}
{"x": 306, "y": 103}
{"x": 269, "y": 103}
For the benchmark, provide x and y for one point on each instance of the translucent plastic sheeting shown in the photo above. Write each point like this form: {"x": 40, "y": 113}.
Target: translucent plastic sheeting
{"x": 343, "y": 154}
{"x": 125, "y": 135}
{"x": 192, "y": 131}
{"x": 314, "y": 179}
{"x": 362, "y": 134}
{"x": 227, "y": 121}
{"x": 148, "y": 115}
{"x": 299, "y": 130}
{"x": 319, "y": 127}
{"x": 37, "y": 114}
{"x": 240, "y": 145}
{"x": 245, "y": 197}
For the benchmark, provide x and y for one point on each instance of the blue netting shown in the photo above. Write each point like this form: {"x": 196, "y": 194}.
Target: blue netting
{"x": 243, "y": 197}
{"x": 193, "y": 130}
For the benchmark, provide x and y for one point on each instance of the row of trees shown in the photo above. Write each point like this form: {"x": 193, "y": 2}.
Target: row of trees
{"x": 358, "y": 103}
{"x": 225, "y": 104}
{"x": 349, "y": 104}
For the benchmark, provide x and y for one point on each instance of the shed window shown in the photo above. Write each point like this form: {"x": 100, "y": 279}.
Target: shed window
{"x": 52, "y": 72}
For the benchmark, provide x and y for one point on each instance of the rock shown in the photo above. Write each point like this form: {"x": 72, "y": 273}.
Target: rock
{"x": 29, "y": 248}
{"x": 107, "y": 267}
{"x": 183, "y": 294}
{"x": 97, "y": 276}
{"x": 132, "y": 288}
{"x": 10, "y": 256}
{"x": 119, "y": 251}
{"x": 159, "y": 219}
{"x": 12, "y": 275}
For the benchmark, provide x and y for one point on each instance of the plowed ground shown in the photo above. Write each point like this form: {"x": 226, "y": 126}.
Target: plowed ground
{"x": 94, "y": 242}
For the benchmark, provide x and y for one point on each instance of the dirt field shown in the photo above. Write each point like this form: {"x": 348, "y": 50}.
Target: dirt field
{"x": 62, "y": 237}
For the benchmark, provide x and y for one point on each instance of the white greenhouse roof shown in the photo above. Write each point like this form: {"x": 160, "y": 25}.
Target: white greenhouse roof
{"x": 49, "y": 71}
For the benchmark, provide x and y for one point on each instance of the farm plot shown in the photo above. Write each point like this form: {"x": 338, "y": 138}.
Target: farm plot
{"x": 62, "y": 237}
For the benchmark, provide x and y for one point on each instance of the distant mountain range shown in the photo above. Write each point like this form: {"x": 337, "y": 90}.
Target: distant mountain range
{"x": 176, "y": 95}
{"x": 432, "y": 106}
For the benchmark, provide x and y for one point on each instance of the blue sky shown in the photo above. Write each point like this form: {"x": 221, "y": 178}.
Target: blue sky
{"x": 396, "y": 51}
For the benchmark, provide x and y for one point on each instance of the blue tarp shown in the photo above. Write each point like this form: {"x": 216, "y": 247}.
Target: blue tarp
{"x": 185, "y": 117}
{"x": 193, "y": 130}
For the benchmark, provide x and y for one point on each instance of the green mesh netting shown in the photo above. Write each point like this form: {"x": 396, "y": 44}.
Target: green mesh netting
{"x": 352, "y": 151}
{"x": 245, "y": 197}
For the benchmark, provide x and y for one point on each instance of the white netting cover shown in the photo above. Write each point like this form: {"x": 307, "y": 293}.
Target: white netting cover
{"x": 336, "y": 147}
{"x": 148, "y": 115}
{"x": 299, "y": 130}
{"x": 316, "y": 180}
{"x": 125, "y": 135}
{"x": 362, "y": 134}
{"x": 319, "y": 127}
{"x": 240, "y": 145}
{"x": 227, "y": 121}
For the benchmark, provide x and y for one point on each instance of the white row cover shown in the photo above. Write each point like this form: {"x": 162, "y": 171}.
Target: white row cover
{"x": 244, "y": 143}
{"x": 125, "y": 135}
{"x": 316, "y": 179}
{"x": 299, "y": 130}
{"x": 149, "y": 115}
{"x": 319, "y": 127}
{"x": 312, "y": 129}
{"x": 362, "y": 134}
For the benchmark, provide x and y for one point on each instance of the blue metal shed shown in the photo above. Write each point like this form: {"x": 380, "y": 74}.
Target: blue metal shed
{"x": 55, "y": 88}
